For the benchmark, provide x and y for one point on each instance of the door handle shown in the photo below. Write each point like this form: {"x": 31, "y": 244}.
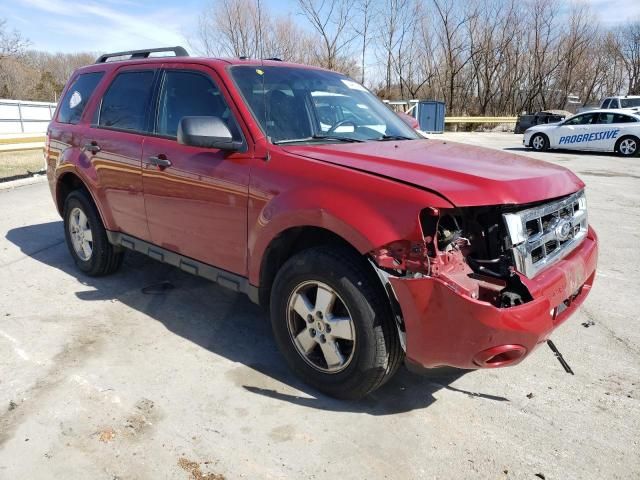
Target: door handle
{"x": 160, "y": 161}
{"x": 92, "y": 147}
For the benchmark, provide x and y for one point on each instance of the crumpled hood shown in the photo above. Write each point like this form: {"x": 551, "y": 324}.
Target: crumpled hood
{"x": 463, "y": 174}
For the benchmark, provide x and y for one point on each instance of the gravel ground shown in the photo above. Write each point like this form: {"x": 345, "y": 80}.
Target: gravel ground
{"x": 99, "y": 380}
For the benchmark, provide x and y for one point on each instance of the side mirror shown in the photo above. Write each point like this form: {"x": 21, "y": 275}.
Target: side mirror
{"x": 206, "y": 132}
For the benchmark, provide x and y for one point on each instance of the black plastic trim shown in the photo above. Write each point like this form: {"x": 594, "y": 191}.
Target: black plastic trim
{"x": 232, "y": 281}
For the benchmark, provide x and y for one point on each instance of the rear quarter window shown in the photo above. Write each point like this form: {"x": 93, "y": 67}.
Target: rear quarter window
{"x": 75, "y": 100}
{"x": 617, "y": 118}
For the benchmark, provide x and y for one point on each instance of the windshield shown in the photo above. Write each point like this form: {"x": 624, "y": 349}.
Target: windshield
{"x": 629, "y": 102}
{"x": 297, "y": 105}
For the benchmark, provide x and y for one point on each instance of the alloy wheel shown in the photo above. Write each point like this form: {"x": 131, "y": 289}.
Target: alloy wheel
{"x": 628, "y": 146}
{"x": 538, "y": 142}
{"x": 321, "y": 327}
{"x": 81, "y": 235}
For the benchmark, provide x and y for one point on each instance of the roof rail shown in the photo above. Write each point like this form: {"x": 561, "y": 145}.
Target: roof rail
{"x": 275, "y": 59}
{"x": 140, "y": 54}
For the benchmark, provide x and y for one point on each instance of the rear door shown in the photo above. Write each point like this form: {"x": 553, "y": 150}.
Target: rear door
{"x": 610, "y": 127}
{"x": 65, "y": 134}
{"x": 114, "y": 145}
{"x": 197, "y": 205}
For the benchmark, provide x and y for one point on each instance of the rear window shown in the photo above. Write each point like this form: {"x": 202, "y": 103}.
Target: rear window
{"x": 125, "y": 106}
{"x": 75, "y": 100}
{"x": 630, "y": 102}
{"x": 617, "y": 118}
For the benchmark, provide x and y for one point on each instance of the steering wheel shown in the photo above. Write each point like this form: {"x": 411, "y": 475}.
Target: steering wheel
{"x": 340, "y": 124}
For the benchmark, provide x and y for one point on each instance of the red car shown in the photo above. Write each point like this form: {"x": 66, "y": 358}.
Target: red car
{"x": 298, "y": 187}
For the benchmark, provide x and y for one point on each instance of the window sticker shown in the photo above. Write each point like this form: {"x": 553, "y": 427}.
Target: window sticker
{"x": 353, "y": 85}
{"x": 75, "y": 99}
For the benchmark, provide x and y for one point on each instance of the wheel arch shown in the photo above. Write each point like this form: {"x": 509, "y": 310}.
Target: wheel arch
{"x": 69, "y": 182}
{"x": 289, "y": 242}
{"x": 542, "y": 134}
{"x": 616, "y": 147}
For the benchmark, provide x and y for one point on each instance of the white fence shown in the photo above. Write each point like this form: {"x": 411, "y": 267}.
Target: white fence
{"x": 17, "y": 116}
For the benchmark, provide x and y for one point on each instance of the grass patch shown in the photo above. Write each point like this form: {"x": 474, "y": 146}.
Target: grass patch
{"x": 20, "y": 163}
{"x": 18, "y": 140}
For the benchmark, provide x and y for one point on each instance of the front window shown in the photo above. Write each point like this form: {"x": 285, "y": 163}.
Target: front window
{"x": 189, "y": 94}
{"x": 299, "y": 105}
{"x": 584, "y": 119}
{"x": 629, "y": 102}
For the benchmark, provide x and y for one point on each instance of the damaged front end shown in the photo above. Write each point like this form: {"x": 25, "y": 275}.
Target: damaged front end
{"x": 460, "y": 298}
{"x": 466, "y": 248}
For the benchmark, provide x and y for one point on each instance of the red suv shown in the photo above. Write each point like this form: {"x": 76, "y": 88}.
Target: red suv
{"x": 298, "y": 187}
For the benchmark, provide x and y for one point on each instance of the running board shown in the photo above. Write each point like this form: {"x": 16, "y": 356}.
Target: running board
{"x": 236, "y": 283}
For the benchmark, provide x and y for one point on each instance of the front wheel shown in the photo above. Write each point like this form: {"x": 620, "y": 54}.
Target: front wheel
{"x": 627, "y": 146}
{"x": 539, "y": 142}
{"x": 332, "y": 323}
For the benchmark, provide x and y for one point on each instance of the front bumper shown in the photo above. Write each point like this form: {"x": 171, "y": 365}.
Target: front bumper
{"x": 444, "y": 328}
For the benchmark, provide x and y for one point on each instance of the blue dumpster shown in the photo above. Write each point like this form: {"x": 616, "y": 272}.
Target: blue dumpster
{"x": 431, "y": 116}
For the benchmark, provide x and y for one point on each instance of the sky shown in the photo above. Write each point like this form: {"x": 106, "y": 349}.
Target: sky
{"x": 115, "y": 25}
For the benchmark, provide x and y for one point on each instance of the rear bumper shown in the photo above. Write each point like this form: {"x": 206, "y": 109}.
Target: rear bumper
{"x": 444, "y": 328}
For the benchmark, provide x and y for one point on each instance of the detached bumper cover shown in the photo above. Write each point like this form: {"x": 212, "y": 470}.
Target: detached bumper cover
{"x": 445, "y": 328}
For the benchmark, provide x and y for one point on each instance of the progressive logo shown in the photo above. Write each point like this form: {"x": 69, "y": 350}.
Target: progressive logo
{"x": 589, "y": 137}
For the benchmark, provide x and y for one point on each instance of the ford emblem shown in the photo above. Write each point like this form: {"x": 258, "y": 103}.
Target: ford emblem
{"x": 564, "y": 228}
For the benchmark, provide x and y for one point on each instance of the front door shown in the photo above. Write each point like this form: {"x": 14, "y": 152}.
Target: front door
{"x": 572, "y": 134}
{"x": 197, "y": 204}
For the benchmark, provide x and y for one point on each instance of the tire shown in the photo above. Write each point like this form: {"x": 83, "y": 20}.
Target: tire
{"x": 628, "y": 146}
{"x": 92, "y": 253}
{"x": 539, "y": 142}
{"x": 358, "y": 323}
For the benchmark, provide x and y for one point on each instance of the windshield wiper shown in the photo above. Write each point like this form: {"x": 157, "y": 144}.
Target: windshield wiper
{"x": 318, "y": 137}
{"x": 393, "y": 137}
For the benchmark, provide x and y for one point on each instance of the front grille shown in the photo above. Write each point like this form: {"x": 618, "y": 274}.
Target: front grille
{"x": 542, "y": 235}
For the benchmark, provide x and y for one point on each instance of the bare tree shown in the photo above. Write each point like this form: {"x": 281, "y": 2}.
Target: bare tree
{"x": 331, "y": 19}
{"x": 629, "y": 51}
{"x": 231, "y": 28}
{"x": 457, "y": 54}
{"x": 364, "y": 9}
{"x": 12, "y": 43}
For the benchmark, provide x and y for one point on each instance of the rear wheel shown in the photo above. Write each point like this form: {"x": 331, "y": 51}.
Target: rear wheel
{"x": 627, "y": 146}
{"x": 539, "y": 142}
{"x": 86, "y": 237}
{"x": 332, "y": 323}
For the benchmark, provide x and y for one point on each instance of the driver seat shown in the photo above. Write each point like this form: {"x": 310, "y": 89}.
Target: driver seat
{"x": 286, "y": 117}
